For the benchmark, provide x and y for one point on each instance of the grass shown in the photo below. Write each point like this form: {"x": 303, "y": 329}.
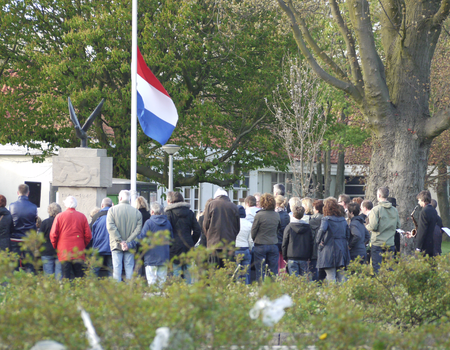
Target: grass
{"x": 445, "y": 247}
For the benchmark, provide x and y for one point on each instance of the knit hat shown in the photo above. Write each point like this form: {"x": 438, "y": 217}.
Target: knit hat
{"x": 220, "y": 192}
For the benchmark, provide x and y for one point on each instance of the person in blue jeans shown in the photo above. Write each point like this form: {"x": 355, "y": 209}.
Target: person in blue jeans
{"x": 297, "y": 246}
{"x": 124, "y": 223}
{"x": 50, "y": 262}
{"x": 244, "y": 243}
{"x": 264, "y": 233}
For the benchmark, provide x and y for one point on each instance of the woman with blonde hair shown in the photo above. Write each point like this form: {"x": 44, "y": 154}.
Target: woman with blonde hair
{"x": 142, "y": 206}
{"x": 307, "y": 203}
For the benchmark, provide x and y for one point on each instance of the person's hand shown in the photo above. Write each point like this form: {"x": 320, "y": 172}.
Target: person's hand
{"x": 124, "y": 246}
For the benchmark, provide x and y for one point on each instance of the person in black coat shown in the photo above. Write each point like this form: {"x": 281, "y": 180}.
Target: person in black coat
{"x": 6, "y": 225}
{"x": 186, "y": 232}
{"x": 437, "y": 232}
{"x": 426, "y": 225}
{"x": 50, "y": 262}
{"x": 297, "y": 244}
{"x": 359, "y": 236}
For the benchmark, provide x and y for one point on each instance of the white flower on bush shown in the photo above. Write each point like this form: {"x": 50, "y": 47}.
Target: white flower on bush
{"x": 272, "y": 311}
{"x": 161, "y": 340}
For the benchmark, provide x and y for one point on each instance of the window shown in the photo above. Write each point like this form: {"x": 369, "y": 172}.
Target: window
{"x": 190, "y": 195}
{"x": 355, "y": 186}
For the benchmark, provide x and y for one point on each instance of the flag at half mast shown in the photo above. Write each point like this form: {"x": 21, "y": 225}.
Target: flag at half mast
{"x": 155, "y": 109}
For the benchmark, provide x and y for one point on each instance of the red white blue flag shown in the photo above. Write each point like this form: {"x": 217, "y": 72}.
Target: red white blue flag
{"x": 155, "y": 109}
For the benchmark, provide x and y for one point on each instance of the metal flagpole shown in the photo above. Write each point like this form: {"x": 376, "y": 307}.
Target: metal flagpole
{"x": 133, "y": 168}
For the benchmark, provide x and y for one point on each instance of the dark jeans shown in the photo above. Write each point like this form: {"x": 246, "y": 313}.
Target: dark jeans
{"x": 72, "y": 269}
{"x": 298, "y": 267}
{"x": 106, "y": 264}
{"x": 265, "y": 254}
{"x": 313, "y": 270}
{"x": 376, "y": 252}
{"x": 28, "y": 267}
{"x": 244, "y": 254}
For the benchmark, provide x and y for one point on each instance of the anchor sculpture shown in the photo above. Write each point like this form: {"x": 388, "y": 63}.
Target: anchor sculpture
{"x": 82, "y": 131}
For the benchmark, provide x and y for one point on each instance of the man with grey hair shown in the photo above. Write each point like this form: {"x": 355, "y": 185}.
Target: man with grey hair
{"x": 158, "y": 230}
{"x": 278, "y": 190}
{"x": 100, "y": 237}
{"x": 70, "y": 234}
{"x": 383, "y": 222}
{"x": 123, "y": 223}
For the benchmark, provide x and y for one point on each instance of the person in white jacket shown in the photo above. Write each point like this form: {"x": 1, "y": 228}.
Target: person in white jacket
{"x": 244, "y": 243}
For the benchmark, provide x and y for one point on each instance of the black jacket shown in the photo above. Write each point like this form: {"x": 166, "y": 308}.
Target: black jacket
{"x": 145, "y": 215}
{"x": 425, "y": 230}
{"x": 6, "y": 227}
{"x": 297, "y": 242}
{"x": 186, "y": 230}
{"x": 358, "y": 238}
{"x": 284, "y": 220}
{"x": 45, "y": 229}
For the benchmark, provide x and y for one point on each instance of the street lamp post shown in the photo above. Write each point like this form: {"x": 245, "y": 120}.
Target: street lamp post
{"x": 171, "y": 150}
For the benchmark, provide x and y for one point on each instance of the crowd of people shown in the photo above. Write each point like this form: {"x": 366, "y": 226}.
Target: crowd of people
{"x": 268, "y": 234}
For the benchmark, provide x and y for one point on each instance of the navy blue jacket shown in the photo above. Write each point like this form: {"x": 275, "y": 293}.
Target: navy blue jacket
{"x": 24, "y": 214}
{"x": 359, "y": 237}
{"x": 332, "y": 238}
{"x": 100, "y": 235}
{"x": 159, "y": 255}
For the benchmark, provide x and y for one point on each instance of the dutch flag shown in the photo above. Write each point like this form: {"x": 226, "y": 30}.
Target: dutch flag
{"x": 155, "y": 109}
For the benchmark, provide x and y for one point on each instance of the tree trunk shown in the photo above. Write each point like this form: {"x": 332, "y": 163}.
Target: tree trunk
{"x": 319, "y": 186}
{"x": 339, "y": 189}
{"x": 326, "y": 190}
{"x": 399, "y": 162}
{"x": 442, "y": 196}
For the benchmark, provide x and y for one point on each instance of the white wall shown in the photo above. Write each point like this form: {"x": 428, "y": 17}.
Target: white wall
{"x": 16, "y": 169}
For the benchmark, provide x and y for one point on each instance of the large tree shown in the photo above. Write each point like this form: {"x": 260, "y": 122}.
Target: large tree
{"x": 388, "y": 46}
{"x": 218, "y": 78}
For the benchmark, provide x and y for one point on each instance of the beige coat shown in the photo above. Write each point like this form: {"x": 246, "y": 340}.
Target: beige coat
{"x": 124, "y": 223}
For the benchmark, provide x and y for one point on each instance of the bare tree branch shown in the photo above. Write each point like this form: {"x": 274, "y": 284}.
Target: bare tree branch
{"x": 312, "y": 43}
{"x": 348, "y": 87}
{"x": 350, "y": 43}
{"x": 372, "y": 66}
{"x": 442, "y": 13}
{"x": 437, "y": 124}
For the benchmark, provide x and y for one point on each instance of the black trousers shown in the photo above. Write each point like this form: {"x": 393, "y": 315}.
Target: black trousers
{"x": 72, "y": 269}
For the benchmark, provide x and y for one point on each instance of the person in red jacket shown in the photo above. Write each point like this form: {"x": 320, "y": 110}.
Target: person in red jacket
{"x": 70, "y": 234}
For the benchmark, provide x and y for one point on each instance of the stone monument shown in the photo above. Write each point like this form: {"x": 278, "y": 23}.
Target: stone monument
{"x": 83, "y": 172}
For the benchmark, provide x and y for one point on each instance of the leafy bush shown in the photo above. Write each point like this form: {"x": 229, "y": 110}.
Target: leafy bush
{"x": 405, "y": 307}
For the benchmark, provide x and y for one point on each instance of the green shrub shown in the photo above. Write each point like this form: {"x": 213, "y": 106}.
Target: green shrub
{"x": 406, "y": 306}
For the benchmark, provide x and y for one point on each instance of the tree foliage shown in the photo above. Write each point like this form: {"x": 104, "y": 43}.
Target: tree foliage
{"x": 217, "y": 76}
